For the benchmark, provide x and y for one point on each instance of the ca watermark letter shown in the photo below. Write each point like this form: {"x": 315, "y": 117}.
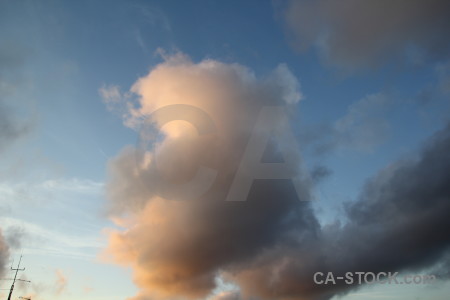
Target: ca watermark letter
{"x": 272, "y": 122}
{"x": 202, "y": 122}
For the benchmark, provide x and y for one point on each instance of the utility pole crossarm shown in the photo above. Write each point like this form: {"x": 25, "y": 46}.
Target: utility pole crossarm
{"x": 15, "y": 277}
{"x": 18, "y": 279}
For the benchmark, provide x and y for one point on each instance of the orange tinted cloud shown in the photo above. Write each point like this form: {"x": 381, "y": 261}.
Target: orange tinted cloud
{"x": 177, "y": 248}
{"x": 60, "y": 283}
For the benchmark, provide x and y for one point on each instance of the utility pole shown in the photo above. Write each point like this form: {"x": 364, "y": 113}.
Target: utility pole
{"x": 15, "y": 277}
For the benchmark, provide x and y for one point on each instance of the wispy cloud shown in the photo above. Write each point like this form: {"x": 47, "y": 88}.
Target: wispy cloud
{"x": 40, "y": 240}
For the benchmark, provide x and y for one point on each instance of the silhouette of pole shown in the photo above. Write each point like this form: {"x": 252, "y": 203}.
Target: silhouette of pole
{"x": 15, "y": 277}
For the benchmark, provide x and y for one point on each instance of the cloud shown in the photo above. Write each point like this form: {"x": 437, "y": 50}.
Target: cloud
{"x": 436, "y": 91}
{"x": 111, "y": 95}
{"x": 36, "y": 239}
{"x": 354, "y": 33}
{"x": 229, "y": 295}
{"x": 443, "y": 71}
{"x": 363, "y": 128}
{"x": 10, "y": 129}
{"x": 318, "y": 173}
{"x": 155, "y": 16}
{"x": 14, "y": 236}
{"x": 60, "y": 283}
{"x": 409, "y": 196}
{"x": 229, "y": 94}
{"x": 75, "y": 185}
{"x": 11, "y": 126}
{"x": 38, "y": 289}
{"x": 364, "y": 125}
{"x": 4, "y": 253}
{"x": 271, "y": 245}
{"x": 73, "y": 197}
{"x": 399, "y": 223}
{"x": 177, "y": 248}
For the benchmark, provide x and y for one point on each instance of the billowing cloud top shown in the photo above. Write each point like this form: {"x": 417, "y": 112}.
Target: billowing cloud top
{"x": 177, "y": 248}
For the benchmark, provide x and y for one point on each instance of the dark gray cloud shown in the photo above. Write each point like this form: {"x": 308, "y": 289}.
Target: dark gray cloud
{"x": 406, "y": 208}
{"x": 11, "y": 61}
{"x": 4, "y": 253}
{"x": 399, "y": 223}
{"x": 14, "y": 236}
{"x": 438, "y": 90}
{"x": 11, "y": 127}
{"x": 443, "y": 72}
{"x": 320, "y": 172}
{"x": 442, "y": 269}
{"x": 354, "y": 33}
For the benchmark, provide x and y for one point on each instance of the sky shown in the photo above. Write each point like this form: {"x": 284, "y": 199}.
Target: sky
{"x": 224, "y": 150}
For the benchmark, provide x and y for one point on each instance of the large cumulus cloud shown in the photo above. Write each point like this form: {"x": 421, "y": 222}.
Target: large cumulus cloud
{"x": 177, "y": 248}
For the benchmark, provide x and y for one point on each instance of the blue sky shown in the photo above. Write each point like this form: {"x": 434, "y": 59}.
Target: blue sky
{"x": 372, "y": 93}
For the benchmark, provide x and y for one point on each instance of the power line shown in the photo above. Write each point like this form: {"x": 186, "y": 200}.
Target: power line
{"x": 16, "y": 279}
